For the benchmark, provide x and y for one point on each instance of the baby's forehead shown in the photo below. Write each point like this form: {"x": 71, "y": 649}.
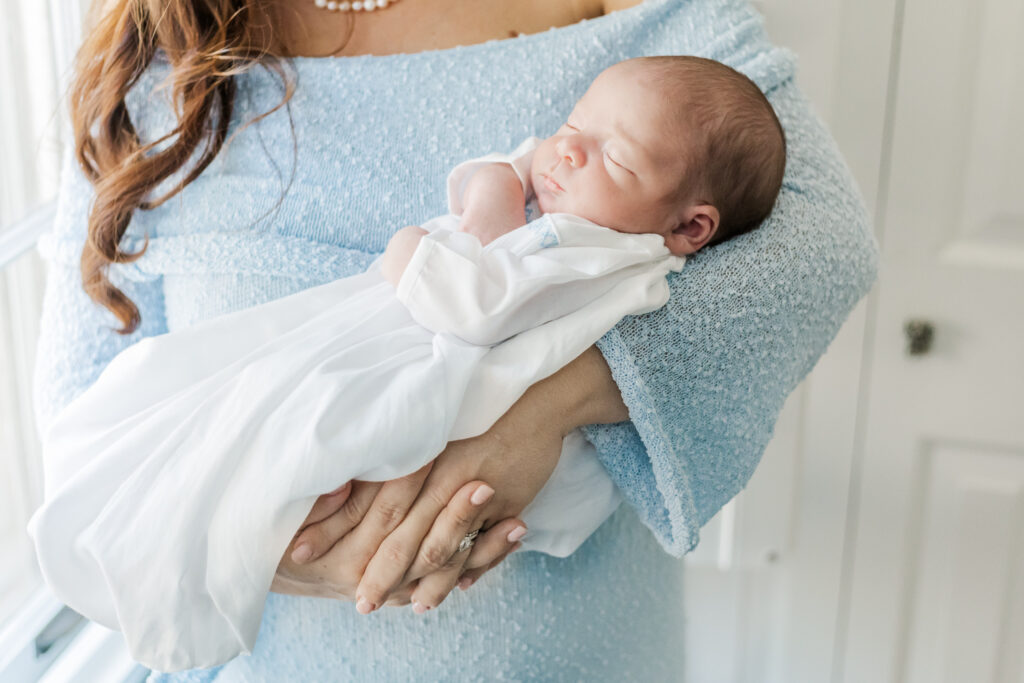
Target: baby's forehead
{"x": 668, "y": 79}
{"x": 688, "y": 98}
{"x": 651, "y": 90}
{"x": 665, "y": 106}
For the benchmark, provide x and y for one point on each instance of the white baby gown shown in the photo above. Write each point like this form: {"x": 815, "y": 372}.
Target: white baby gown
{"x": 175, "y": 483}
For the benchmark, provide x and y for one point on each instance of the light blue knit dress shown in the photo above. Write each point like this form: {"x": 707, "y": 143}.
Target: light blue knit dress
{"x": 704, "y": 377}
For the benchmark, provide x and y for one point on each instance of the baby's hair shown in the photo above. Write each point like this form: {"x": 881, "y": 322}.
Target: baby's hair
{"x": 738, "y": 157}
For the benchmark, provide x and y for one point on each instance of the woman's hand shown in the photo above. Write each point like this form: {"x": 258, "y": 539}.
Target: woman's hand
{"x": 326, "y": 560}
{"x": 517, "y": 455}
{"x": 419, "y": 559}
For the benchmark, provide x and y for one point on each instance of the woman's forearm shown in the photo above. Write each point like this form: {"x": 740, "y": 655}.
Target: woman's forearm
{"x": 581, "y": 393}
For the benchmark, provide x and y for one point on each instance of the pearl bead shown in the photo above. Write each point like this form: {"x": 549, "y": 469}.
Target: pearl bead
{"x": 353, "y": 6}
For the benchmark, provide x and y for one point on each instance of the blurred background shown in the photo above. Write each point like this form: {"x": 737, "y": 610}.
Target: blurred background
{"x": 882, "y": 537}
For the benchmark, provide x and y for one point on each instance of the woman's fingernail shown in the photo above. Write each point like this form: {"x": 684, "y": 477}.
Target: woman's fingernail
{"x": 418, "y": 608}
{"x": 482, "y": 494}
{"x": 465, "y": 582}
{"x": 364, "y": 606}
{"x": 302, "y": 553}
{"x": 516, "y": 534}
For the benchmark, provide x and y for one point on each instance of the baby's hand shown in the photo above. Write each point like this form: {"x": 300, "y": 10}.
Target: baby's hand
{"x": 399, "y": 252}
{"x": 493, "y": 203}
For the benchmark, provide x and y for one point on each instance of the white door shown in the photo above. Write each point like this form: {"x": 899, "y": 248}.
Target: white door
{"x": 935, "y": 572}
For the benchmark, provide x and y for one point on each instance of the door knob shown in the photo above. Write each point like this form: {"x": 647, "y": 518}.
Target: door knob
{"x": 919, "y": 335}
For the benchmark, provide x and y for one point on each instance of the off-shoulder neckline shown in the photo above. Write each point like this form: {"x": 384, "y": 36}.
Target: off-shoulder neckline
{"x": 488, "y": 45}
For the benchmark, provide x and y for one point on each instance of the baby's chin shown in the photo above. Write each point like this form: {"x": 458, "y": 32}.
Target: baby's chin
{"x": 544, "y": 204}
{"x": 548, "y": 203}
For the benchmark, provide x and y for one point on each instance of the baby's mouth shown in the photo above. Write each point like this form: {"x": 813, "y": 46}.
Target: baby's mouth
{"x": 550, "y": 183}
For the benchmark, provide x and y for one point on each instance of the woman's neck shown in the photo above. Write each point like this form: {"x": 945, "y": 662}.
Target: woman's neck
{"x": 305, "y": 30}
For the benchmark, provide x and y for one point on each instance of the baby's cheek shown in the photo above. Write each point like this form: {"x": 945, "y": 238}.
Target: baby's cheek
{"x": 592, "y": 205}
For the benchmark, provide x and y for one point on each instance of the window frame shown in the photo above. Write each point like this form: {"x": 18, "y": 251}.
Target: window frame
{"x": 43, "y": 639}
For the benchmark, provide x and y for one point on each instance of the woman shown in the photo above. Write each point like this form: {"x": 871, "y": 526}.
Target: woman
{"x": 312, "y": 191}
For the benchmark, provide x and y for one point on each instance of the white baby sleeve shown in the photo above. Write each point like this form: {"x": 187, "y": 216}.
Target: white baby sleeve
{"x": 520, "y": 160}
{"x": 532, "y": 275}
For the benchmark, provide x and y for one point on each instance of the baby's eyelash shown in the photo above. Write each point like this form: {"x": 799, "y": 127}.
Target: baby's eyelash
{"x": 617, "y": 163}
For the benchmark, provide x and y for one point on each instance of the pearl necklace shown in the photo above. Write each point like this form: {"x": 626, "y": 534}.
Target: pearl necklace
{"x": 358, "y": 5}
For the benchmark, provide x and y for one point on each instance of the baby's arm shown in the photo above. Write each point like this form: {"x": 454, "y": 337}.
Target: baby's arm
{"x": 399, "y": 251}
{"x": 493, "y": 202}
{"x": 558, "y": 265}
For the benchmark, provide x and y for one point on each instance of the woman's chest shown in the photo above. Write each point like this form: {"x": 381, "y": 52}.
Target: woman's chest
{"x": 416, "y": 26}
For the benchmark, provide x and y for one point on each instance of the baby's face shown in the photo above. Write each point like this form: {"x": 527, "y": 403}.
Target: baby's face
{"x": 617, "y": 161}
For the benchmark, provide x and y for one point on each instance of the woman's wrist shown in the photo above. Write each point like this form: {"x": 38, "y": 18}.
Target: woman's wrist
{"x": 581, "y": 393}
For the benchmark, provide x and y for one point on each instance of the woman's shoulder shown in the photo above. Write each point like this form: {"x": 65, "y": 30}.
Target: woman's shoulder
{"x": 149, "y": 101}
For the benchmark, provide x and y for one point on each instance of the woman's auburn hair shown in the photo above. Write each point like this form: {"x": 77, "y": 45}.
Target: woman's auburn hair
{"x": 208, "y": 43}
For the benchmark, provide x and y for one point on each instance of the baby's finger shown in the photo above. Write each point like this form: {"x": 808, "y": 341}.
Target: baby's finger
{"x": 316, "y": 539}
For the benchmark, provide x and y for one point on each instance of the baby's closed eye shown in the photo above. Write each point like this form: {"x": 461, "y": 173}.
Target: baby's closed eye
{"x": 610, "y": 158}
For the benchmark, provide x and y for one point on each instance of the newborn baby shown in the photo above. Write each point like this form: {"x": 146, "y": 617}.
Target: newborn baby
{"x": 681, "y": 147}
{"x": 168, "y": 506}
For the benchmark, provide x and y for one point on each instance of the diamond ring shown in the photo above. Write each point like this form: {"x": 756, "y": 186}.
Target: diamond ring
{"x": 467, "y": 541}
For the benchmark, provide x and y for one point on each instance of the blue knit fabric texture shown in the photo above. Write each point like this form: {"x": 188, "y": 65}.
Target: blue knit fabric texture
{"x": 312, "y": 193}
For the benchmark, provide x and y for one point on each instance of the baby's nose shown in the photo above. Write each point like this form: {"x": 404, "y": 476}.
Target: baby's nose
{"x": 572, "y": 152}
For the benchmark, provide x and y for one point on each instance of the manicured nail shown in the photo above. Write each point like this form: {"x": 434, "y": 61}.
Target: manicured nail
{"x": 364, "y": 606}
{"x": 516, "y": 534}
{"x": 482, "y": 494}
{"x": 418, "y": 608}
{"x": 302, "y": 553}
{"x": 465, "y": 582}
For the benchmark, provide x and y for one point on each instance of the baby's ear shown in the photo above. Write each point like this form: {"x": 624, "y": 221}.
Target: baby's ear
{"x": 698, "y": 224}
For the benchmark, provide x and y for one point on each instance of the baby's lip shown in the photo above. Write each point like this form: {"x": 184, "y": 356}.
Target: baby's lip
{"x": 550, "y": 183}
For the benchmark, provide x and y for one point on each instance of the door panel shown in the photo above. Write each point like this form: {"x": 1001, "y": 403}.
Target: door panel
{"x": 932, "y": 593}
